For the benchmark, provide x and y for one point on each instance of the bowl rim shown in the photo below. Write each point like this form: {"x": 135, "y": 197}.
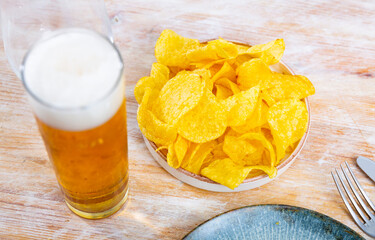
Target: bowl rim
{"x": 248, "y": 183}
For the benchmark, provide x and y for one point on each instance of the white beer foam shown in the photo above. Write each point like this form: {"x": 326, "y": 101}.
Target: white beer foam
{"x": 72, "y": 79}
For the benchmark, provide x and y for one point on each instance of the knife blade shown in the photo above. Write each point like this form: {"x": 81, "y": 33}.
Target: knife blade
{"x": 368, "y": 166}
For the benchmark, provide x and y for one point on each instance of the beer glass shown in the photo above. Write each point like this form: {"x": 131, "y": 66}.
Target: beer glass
{"x": 75, "y": 84}
{"x": 24, "y": 22}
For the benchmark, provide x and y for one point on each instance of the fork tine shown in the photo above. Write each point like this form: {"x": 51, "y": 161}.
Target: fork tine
{"x": 363, "y": 205}
{"x": 361, "y": 189}
{"x": 346, "y": 202}
{"x": 350, "y": 195}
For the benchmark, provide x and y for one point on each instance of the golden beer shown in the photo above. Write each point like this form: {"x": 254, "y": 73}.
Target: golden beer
{"x": 75, "y": 85}
{"x": 91, "y": 166}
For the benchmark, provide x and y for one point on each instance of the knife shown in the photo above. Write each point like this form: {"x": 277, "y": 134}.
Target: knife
{"x": 368, "y": 166}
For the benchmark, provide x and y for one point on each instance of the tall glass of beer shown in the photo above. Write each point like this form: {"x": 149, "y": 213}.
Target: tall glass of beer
{"x": 75, "y": 85}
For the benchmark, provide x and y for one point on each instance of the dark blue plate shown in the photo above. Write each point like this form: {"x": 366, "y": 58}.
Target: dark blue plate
{"x": 272, "y": 222}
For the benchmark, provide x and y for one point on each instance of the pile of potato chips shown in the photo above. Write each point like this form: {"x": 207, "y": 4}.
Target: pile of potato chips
{"x": 218, "y": 108}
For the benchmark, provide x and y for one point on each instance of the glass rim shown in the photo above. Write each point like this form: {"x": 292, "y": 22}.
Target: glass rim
{"x": 79, "y": 108}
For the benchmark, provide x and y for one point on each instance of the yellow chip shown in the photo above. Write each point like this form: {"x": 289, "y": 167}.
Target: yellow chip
{"x": 225, "y": 82}
{"x": 208, "y": 160}
{"x": 178, "y": 96}
{"x": 172, "y": 158}
{"x": 226, "y": 71}
{"x": 158, "y": 77}
{"x": 213, "y": 50}
{"x": 237, "y": 149}
{"x": 222, "y": 92}
{"x": 257, "y": 119}
{"x": 270, "y": 53}
{"x": 155, "y": 130}
{"x": 289, "y": 86}
{"x": 205, "y": 122}
{"x": 242, "y": 49}
{"x": 252, "y": 73}
{"x": 225, "y": 172}
{"x": 266, "y": 144}
{"x": 171, "y": 49}
{"x": 288, "y": 120}
{"x": 196, "y": 158}
{"x": 241, "y": 105}
{"x": 267, "y": 98}
{"x": 218, "y": 152}
{"x": 180, "y": 147}
{"x": 224, "y": 48}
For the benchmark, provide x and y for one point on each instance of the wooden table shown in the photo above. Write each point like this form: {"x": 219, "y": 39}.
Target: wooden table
{"x": 333, "y": 43}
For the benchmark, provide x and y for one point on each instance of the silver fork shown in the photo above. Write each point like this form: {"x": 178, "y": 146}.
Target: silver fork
{"x": 366, "y": 221}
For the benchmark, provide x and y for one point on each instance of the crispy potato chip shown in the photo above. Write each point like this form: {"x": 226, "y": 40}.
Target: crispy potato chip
{"x": 226, "y": 71}
{"x": 172, "y": 158}
{"x": 196, "y": 158}
{"x": 224, "y": 48}
{"x": 158, "y": 77}
{"x": 225, "y": 172}
{"x": 171, "y": 49}
{"x": 213, "y": 50}
{"x": 288, "y": 120}
{"x": 218, "y": 152}
{"x": 180, "y": 147}
{"x": 225, "y": 82}
{"x": 241, "y": 105}
{"x": 289, "y": 86}
{"x": 242, "y": 49}
{"x": 266, "y": 144}
{"x": 178, "y": 96}
{"x": 222, "y": 92}
{"x": 270, "y": 53}
{"x": 205, "y": 122}
{"x": 252, "y": 73}
{"x": 237, "y": 149}
{"x": 256, "y": 119}
{"x": 208, "y": 160}
{"x": 267, "y": 98}
{"x": 154, "y": 129}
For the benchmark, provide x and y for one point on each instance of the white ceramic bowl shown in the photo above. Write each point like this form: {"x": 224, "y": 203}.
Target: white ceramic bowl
{"x": 250, "y": 182}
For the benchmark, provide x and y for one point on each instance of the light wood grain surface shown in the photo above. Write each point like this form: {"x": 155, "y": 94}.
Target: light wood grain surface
{"x": 331, "y": 42}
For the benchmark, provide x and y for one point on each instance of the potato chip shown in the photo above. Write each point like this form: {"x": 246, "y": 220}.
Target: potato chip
{"x": 172, "y": 159}
{"x": 226, "y": 71}
{"x": 289, "y": 86}
{"x": 252, "y": 73}
{"x": 225, "y": 82}
{"x": 218, "y": 152}
{"x": 267, "y": 98}
{"x": 171, "y": 49}
{"x": 270, "y": 53}
{"x": 237, "y": 149}
{"x": 288, "y": 120}
{"x": 256, "y": 119}
{"x": 266, "y": 144}
{"x": 225, "y": 172}
{"x": 196, "y": 158}
{"x": 205, "y": 122}
{"x": 213, "y": 50}
{"x": 179, "y": 95}
{"x": 158, "y": 77}
{"x": 224, "y": 48}
{"x": 241, "y": 105}
{"x": 222, "y": 92}
{"x": 208, "y": 160}
{"x": 242, "y": 49}
{"x": 154, "y": 129}
{"x": 180, "y": 147}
